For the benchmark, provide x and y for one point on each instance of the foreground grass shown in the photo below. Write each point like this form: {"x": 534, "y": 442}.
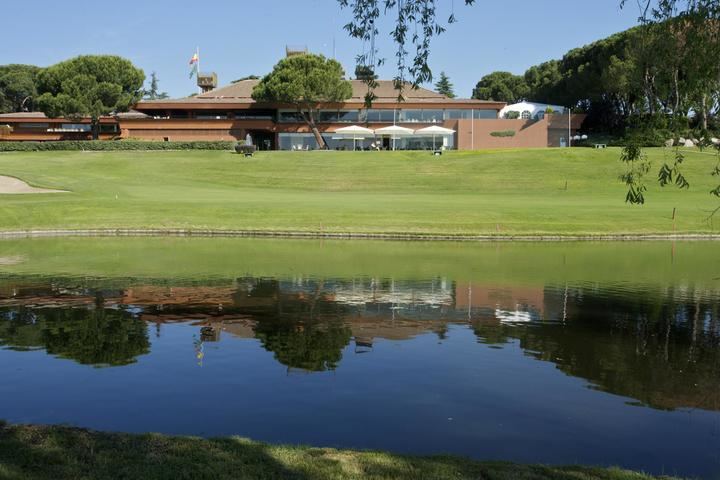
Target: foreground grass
{"x": 38, "y": 452}
{"x": 548, "y": 191}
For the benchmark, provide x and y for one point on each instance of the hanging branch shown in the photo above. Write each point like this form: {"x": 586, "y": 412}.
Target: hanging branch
{"x": 417, "y": 16}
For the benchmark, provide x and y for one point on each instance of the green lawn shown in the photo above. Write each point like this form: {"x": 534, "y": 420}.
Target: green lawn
{"x": 507, "y": 192}
{"x": 59, "y": 453}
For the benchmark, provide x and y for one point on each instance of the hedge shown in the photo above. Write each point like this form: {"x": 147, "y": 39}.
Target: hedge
{"x": 109, "y": 145}
{"x": 503, "y": 133}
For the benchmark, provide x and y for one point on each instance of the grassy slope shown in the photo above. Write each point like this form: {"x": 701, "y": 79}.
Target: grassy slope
{"x": 57, "y": 453}
{"x": 519, "y": 191}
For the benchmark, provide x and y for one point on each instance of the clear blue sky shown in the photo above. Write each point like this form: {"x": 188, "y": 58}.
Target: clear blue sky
{"x": 243, "y": 37}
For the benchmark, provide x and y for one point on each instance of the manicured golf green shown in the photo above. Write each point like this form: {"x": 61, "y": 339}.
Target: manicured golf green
{"x": 548, "y": 191}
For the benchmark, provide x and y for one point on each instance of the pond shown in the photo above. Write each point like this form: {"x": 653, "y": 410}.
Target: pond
{"x": 590, "y": 353}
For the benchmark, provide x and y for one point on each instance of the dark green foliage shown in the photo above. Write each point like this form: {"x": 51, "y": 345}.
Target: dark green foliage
{"x": 634, "y": 177}
{"x": 17, "y": 87}
{"x": 80, "y": 145}
{"x": 154, "y": 93}
{"x": 512, "y": 115}
{"x": 313, "y": 347}
{"x": 304, "y": 81}
{"x": 501, "y": 87}
{"x": 542, "y": 82}
{"x": 247, "y": 77}
{"x": 503, "y": 133}
{"x": 89, "y": 86}
{"x": 671, "y": 173}
{"x": 97, "y": 336}
{"x": 444, "y": 86}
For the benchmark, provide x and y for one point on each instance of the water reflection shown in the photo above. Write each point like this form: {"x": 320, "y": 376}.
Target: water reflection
{"x": 659, "y": 346}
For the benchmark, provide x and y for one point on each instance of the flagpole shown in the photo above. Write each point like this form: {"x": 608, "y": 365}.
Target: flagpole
{"x": 197, "y": 73}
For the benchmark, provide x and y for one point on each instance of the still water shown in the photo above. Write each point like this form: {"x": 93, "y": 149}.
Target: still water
{"x": 587, "y": 353}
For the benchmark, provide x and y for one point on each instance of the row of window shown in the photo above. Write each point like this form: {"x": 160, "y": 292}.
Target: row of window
{"x": 389, "y": 116}
{"x": 65, "y": 127}
{"x": 307, "y": 141}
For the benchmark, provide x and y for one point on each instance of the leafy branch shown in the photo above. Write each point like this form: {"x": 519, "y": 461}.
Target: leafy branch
{"x": 672, "y": 174}
{"x": 634, "y": 177}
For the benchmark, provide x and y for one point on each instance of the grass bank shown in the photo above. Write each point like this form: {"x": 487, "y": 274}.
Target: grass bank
{"x": 521, "y": 192}
{"x": 57, "y": 453}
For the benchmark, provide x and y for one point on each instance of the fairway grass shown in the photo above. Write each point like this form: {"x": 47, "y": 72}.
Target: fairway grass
{"x": 60, "y": 453}
{"x": 513, "y": 192}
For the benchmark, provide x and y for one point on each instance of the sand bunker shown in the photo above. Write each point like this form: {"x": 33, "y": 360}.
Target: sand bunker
{"x": 12, "y": 186}
{"x": 15, "y": 260}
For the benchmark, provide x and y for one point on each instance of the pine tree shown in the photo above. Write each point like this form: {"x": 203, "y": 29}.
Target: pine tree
{"x": 154, "y": 93}
{"x": 444, "y": 86}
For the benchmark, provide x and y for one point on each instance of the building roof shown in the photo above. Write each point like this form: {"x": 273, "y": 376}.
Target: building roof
{"x": 41, "y": 116}
{"x": 385, "y": 92}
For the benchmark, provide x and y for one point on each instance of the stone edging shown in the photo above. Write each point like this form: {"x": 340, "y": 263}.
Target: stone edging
{"x": 132, "y": 232}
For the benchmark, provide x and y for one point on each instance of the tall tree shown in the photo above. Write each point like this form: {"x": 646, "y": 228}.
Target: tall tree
{"x": 89, "y": 86}
{"x": 17, "y": 87}
{"x": 306, "y": 82}
{"x": 543, "y": 82}
{"x": 444, "y": 86}
{"x": 154, "y": 93}
{"x": 501, "y": 87}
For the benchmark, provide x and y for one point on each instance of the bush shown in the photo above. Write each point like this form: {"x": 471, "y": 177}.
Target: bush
{"x": 108, "y": 146}
{"x": 245, "y": 149}
{"x": 503, "y": 133}
{"x": 512, "y": 115}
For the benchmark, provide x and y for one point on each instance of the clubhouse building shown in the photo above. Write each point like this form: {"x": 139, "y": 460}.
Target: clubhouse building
{"x": 230, "y": 113}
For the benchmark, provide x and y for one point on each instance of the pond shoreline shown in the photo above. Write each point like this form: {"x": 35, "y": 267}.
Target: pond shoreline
{"x": 61, "y": 452}
{"x": 434, "y": 237}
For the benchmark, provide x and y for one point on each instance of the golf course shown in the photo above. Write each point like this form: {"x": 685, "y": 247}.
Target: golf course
{"x": 508, "y": 192}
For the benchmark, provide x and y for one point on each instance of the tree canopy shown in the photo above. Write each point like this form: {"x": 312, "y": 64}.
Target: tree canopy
{"x": 501, "y": 87}
{"x": 89, "y": 86}
{"x": 444, "y": 86}
{"x": 17, "y": 87}
{"x": 154, "y": 93}
{"x": 305, "y": 81}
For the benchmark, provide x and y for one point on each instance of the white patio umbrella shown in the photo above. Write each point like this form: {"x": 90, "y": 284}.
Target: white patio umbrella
{"x": 355, "y": 132}
{"x": 395, "y": 132}
{"x": 435, "y": 131}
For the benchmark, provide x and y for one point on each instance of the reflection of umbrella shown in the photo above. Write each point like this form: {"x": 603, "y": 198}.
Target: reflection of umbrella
{"x": 435, "y": 131}
{"x": 355, "y": 132}
{"x": 394, "y": 131}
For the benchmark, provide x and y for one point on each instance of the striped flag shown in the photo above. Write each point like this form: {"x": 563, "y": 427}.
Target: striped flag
{"x": 194, "y": 61}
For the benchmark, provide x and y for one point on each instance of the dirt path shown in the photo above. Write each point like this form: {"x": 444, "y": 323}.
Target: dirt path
{"x": 15, "y": 186}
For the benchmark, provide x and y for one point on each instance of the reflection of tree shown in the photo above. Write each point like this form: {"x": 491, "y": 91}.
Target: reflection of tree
{"x": 655, "y": 347}
{"x": 315, "y": 347}
{"x": 88, "y": 336}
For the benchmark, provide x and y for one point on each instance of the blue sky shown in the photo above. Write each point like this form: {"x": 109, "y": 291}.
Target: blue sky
{"x": 243, "y": 37}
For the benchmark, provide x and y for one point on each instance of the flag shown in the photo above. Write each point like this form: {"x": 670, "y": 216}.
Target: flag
{"x": 194, "y": 61}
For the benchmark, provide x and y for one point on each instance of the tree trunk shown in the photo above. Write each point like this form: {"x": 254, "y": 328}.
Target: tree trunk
{"x": 95, "y": 128}
{"x": 310, "y": 120}
{"x": 703, "y": 113}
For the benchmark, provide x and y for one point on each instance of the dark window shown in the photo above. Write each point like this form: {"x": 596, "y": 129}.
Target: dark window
{"x": 484, "y": 114}
{"x": 33, "y": 126}
{"x": 376, "y": 115}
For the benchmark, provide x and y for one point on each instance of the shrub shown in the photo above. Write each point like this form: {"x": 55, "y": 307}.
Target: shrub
{"x": 512, "y": 115}
{"x": 245, "y": 149}
{"x": 103, "y": 146}
{"x": 503, "y": 133}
